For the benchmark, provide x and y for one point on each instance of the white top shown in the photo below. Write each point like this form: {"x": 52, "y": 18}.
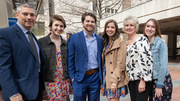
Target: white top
{"x": 139, "y": 60}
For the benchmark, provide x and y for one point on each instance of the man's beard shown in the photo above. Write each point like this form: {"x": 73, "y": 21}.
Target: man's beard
{"x": 88, "y": 29}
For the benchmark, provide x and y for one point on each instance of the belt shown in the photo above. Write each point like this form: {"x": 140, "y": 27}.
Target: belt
{"x": 91, "y": 71}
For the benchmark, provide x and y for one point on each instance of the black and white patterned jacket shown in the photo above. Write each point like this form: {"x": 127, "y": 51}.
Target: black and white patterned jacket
{"x": 139, "y": 60}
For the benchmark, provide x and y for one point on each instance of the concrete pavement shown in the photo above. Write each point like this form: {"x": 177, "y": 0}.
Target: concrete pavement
{"x": 175, "y": 74}
{"x": 174, "y": 68}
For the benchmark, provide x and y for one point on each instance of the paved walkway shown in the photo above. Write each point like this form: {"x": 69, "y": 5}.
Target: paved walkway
{"x": 175, "y": 74}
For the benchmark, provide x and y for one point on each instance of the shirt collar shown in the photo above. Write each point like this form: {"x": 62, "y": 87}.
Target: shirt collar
{"x": 155, "y": 40}
{"x": 49, "y": 40}
{"x": 22, "y": 28}
{"x": 85, "y": 35}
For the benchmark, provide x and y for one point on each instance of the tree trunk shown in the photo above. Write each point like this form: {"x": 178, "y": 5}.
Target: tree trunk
{"x": 51, "y": 7}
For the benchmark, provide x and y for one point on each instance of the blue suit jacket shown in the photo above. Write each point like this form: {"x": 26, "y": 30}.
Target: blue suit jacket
{"x": 78, "y": 56}
{"x": 19, "y": 72}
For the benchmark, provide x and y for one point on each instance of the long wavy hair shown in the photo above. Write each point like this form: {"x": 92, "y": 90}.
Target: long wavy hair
{"x": 157, "y": 28}
{"x": 106, "y": 37}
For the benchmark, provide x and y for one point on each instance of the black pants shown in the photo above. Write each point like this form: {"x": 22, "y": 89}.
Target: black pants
{"x": 134, "y": 93}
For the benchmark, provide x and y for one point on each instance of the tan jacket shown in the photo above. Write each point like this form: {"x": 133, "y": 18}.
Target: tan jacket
{"x": 115, "y": 58}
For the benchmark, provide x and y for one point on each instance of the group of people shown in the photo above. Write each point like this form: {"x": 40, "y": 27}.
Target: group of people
{"x": 52, "y": 68}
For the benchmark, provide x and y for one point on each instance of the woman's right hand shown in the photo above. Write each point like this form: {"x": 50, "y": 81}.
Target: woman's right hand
{"x": 142, "y": 86}
{"x": 158, "y": 92}
{"x": 113, "y": 88}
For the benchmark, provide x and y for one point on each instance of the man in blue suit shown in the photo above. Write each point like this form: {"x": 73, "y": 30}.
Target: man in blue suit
{"x": 21, "y": 64}
{"x": 84, "y": 60}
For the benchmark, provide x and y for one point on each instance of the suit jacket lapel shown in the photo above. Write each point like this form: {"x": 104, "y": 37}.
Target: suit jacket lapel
{"x": 99, "y": 46}
{"x": 21, "y": 35}
{"x": 83, "y": 42}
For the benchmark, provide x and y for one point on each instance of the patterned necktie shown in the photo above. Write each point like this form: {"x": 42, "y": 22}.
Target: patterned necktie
{"x": 30, "y": 37}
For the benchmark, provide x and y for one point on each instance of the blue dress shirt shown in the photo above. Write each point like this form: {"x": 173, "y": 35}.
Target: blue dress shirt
{"x": 92, "y": 51}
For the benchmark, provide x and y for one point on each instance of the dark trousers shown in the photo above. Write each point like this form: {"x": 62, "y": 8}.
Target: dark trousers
{"x": 134, "y": 93}
{"x": 90, "y": 85}
{"x": 151, "y": 91}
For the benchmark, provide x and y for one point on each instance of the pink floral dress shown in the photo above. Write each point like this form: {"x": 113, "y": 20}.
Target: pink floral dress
{"x": 60, "y": 88}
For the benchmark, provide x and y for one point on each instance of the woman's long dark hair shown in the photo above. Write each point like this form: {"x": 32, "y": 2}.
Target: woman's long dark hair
{"x": 105, "y": 36}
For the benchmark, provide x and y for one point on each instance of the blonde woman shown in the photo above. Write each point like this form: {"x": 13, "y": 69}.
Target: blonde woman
{"x": 138, "y": 61}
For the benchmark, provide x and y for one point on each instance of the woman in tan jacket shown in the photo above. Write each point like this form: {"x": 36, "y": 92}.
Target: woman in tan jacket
{"x": 115, "y": 78}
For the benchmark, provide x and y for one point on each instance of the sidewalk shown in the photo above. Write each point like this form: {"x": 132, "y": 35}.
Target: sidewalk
{"x": 174, "y": 68}
{"x": 175, "y": 74}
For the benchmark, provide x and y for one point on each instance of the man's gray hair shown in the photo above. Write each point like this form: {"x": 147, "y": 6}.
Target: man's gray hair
{"x": 23, "y": 5}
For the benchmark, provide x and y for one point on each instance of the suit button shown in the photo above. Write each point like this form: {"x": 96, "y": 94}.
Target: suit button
{"x": 110, "y": 62}
{"x": 111, "y": 72}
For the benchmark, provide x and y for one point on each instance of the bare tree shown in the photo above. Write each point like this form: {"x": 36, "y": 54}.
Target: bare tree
{"x": 99, "y": 7}
{"x": 72, "y": 10}
{"x": 51, "y": 7}
{"x": 102, "y": 6}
